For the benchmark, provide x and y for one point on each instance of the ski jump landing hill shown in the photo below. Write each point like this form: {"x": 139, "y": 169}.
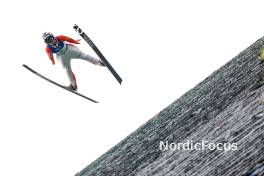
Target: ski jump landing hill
{"x": 223, "y": 109}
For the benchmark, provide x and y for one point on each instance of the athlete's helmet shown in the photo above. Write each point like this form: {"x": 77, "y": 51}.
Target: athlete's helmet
{"x": 48, "y": 37}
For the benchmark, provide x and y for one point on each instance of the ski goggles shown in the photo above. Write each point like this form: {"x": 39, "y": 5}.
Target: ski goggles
{"x": 49, "y": 39}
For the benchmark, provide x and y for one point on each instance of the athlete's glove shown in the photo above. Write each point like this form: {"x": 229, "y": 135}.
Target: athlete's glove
{"x": 78, "y": 41}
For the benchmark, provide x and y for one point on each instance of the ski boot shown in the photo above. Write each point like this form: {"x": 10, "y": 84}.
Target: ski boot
{"x": 100, "y": 63}
{"x": 72, "y": 87}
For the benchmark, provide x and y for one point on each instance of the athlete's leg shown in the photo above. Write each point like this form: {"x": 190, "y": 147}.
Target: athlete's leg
{"x": 75, "y": 52}
{"x": 71, "y": 77}
{"x": 66, "y": 63}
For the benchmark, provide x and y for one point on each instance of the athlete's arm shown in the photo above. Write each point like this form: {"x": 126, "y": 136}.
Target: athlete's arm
{"x": 68, "y": 39}
{"x": 48, "y": 51}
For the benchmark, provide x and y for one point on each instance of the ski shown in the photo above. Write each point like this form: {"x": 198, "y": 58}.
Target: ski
{"x": 57, "y": 84}
{"x": 97, "y": 51}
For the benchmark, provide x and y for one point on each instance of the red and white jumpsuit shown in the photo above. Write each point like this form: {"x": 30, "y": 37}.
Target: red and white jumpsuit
{"x": 65, "y": 52}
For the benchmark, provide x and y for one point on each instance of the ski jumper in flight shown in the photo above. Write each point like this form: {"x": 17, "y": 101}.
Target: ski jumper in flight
{"x": 64, "y": 49}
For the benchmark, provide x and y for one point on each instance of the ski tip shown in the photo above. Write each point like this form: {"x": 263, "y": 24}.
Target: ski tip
{"x": 77, "y": 29}
{"x": 27, "y": 67}
{"x": 75, "y": 26}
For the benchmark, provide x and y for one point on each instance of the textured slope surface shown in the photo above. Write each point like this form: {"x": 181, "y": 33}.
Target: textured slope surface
{"x": 223, "y": 108}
